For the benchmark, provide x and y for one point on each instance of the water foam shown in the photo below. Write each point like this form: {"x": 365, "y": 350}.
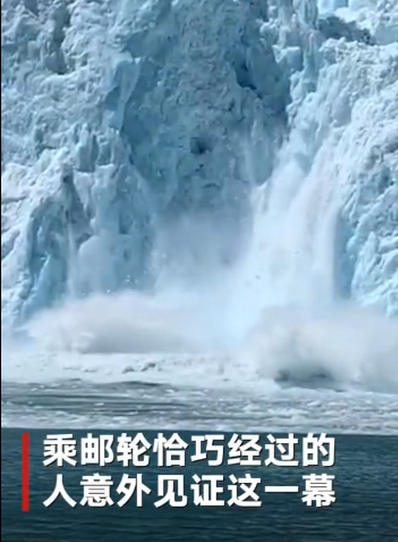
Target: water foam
{"x": 344, "y": 347}
{"x": 122, "y": 323}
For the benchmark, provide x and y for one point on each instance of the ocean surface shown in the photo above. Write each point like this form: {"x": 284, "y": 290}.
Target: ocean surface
{"x": 366, "y": 489}
{"x": 61, "y": 392}
{"x": 181, "y": 392}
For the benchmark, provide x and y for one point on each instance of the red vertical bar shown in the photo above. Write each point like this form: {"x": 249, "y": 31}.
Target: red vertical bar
{"x": 25, "y": 472}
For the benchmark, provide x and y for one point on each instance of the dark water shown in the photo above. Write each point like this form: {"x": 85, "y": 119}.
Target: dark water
{"x": 366, "y": 507}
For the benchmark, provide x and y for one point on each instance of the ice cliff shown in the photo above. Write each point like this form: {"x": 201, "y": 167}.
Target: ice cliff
{"x": 120, "y": 118}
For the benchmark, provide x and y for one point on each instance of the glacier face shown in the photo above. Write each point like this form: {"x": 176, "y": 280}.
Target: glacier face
{"x": 122, "y": 118}
{"x": 111, "y": 130}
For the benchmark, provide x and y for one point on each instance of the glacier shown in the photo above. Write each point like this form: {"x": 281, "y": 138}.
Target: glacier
{"x": 151, "y": 136}
{"x": 252, "y": 145}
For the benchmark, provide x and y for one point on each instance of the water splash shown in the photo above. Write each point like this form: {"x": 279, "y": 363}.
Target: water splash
{"x": 275, "y": 314}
